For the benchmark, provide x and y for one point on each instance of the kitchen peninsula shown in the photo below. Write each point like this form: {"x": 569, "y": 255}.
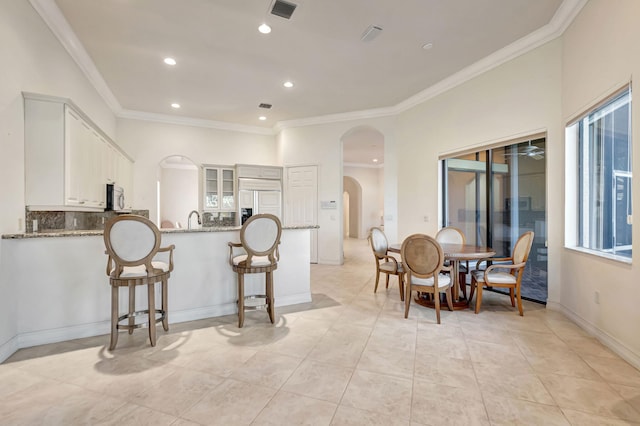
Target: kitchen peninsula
{"x": 61, "y": 290}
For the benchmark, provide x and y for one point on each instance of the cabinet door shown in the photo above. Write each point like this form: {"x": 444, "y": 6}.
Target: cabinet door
{"x": 211, "y": 189}
{"x": 74, "y": 155}
{"x": 228, "y": 190}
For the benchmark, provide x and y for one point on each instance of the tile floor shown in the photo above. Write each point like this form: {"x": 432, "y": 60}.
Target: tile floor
{"x": 347, "y": 358}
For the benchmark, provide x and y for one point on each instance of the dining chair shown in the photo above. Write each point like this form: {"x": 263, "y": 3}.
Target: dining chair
{"x": 259, "y": 240}
{"x": 423, "y": 261}
{"x": 385, "y": 262}
{"x": 453, "y": 235}
{"x": 132, "y": 245}
{"x": 505, "y": 274}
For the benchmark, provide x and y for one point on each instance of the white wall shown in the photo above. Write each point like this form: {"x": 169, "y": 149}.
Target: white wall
{"x": 600, "y": 53}
{"x": 149, "y": 142}
{"x": 33, "y": 61}
{"x": 372, "y": 196}
{"x": 179, "y": 194}
{"x": 519, "y": 97}
{"x": 321, "y": 145}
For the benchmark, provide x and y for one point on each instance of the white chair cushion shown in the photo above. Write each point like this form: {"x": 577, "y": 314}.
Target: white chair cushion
{"x": 390, "y": 267}
{"x": 495, "y": 277}
{"x": 443, "y": 281}
{"x": 255, "y": 260}
{"x": 140, "y": 271}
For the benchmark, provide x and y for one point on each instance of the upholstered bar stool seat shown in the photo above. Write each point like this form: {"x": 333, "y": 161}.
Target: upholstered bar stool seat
{"x": 132, "y": 242}
{"x": 259, "y": 240}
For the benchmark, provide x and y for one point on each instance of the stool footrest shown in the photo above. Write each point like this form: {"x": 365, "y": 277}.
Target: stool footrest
{"x": 137, "y": 314}
{"x": 255, "y": 302}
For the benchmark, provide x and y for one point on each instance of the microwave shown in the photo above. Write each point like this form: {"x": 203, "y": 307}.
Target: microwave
{"x": 115, "y": 197}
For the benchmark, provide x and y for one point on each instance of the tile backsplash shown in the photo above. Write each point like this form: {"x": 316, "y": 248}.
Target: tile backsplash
{"x": 48, "y": 221}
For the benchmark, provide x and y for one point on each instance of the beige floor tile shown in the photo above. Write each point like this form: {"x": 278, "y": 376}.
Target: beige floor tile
{"x": 267, "y": 369}
{"x": 590, "y": 346}
{"x": 338, "y": 350}
{"x": 349, "y": 347}
{"x": 14, "y": 380}
{"x": 589, "y": 396}
{"x": 497, "y": 353}
{"x": 447, "y": 371}
{"x": 614, "y": 370}
{"x": 579, "y": 418}
{"x": 53, "y": 403}
{"x": 629, "y": 393}
{"x": 317, "y": 380}
{"x": 293, "y": 409}
{"x": 507, "y": 381}
{"x": 176, "y": 393}
{"x": 131, "y": 414}
{"x": 444, "y": 347}
{"x": 348, "y": 416}
{"x": 506, "y": 411}
{"x": 438, "y": 404}
{"x": 220, "y": 360}
{"x": 534, "y": 344}
{"x": 231, "y": 403}
{"x": 389, "y": 360}
{"x": 379, "y": 393}
{"x": 295, "y": 344}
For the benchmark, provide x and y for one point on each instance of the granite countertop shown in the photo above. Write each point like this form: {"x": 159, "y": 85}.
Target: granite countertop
{"x": 99, "y": 232}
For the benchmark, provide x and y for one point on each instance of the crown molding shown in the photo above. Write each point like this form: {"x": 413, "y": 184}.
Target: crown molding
{"x": 364, "y": 166}
{"x": 338, "y": 117}
{"x": 195, "y": 122}
{"x": 56, "y": 21}
{"x": 563, "y": 17}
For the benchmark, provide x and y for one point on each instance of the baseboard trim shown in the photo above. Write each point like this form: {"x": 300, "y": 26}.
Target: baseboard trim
{"x": 603, "y": 337}
{"x": 8, "y": 348}
{"x": 43, "y": 337}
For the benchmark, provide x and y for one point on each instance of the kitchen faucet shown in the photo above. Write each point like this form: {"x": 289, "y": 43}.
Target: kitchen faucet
{"x": 189, "y": 218}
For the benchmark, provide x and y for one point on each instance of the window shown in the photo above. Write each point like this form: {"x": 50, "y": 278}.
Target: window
{"x": 602, "y": 139}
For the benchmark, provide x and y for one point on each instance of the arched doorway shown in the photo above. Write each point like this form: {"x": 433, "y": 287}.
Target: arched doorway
{"x": 352, "y": 208}
{"x": 363, "y": 179}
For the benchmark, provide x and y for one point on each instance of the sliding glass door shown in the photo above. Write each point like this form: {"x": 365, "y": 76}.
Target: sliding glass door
{"x": 495, "y": 211}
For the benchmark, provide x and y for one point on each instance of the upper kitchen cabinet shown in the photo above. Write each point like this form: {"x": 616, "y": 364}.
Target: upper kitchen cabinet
{"x": 219, "y": 188}
{"x": 259, "y": 172}
{"x": 68, "y": 160}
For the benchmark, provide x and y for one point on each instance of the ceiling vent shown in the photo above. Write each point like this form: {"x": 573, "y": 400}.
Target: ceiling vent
{"x": 265, "y": 106}
{"x": 371, "y": 32}
{"x": 283, "y": 9}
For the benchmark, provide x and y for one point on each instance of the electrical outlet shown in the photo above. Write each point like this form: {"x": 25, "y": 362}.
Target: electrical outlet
{"x": 426, "y": 218}
{"x": 596, "y": 297}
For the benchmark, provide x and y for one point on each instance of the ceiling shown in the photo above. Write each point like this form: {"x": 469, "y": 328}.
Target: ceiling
{"x": 226, "y": 68}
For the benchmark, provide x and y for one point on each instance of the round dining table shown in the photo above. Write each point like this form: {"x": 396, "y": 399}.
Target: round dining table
{"x": 454, "y": 253}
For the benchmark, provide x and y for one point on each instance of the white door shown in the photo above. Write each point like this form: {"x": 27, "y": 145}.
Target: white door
{"x": 269, "y": 202}
{"x": 302, "y": 201}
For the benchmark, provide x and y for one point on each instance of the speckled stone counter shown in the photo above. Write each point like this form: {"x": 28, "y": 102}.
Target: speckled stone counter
{"x": 89, "y": 233}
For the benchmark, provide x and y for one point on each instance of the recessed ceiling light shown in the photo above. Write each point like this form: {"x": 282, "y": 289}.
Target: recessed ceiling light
{"x": 175, "y": 105}
{"x": 169, "y": 61}
{"x": 427, "y": 46}
{"x": 264, "y": 29}
{"x": 375, "y": 160}
{"x": 262, "y": 118}
{"x": 288, "y": 84}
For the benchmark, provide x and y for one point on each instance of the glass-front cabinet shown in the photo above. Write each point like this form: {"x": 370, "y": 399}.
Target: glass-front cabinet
{"x": 219, "y": 188}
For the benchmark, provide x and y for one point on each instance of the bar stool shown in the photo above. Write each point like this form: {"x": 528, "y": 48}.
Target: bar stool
{"x": 259, "y": 239}
{"x": 132, "y": 242}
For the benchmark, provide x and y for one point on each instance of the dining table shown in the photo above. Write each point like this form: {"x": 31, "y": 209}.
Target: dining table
{"x": 454, "y": 253}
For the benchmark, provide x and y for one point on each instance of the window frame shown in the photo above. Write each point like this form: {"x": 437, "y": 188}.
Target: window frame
{"x": 583, "y": 209}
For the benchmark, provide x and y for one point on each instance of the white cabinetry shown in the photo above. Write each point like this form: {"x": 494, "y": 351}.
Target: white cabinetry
{"x": 219, "y": 188}
{"x": 259, "y": 172}
{"x": 68, "y": 160}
